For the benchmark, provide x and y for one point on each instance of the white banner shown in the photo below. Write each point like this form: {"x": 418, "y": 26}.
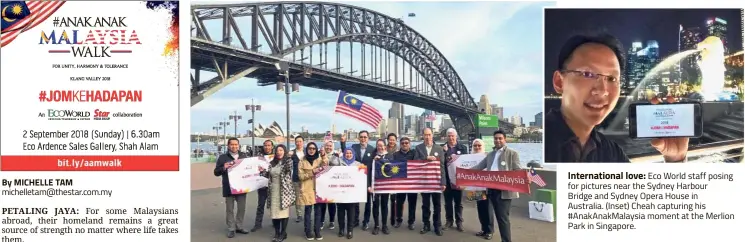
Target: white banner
{"x": 244, "y": 175}
{"x": 341, "y": 184}
{"x": 466, "y": 162}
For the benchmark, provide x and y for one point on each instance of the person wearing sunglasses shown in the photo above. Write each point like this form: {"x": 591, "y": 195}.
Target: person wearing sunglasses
{"x": 405, "y": 154}
{"x": 588, "y": 77}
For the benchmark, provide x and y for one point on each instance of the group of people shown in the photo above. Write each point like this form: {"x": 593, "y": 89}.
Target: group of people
{"x": 291, "y": 175}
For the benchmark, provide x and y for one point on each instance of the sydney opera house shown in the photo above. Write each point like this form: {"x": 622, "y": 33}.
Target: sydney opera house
{"x": 274, "y": 130}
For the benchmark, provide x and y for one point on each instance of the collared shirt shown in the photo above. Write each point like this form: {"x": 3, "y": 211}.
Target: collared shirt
{"x": 429, "y": 149}
{"x": 299, "y": 154}
{"x": 495, "y": 164}
{"x": 363, "y": 147}
{"x": 234, "y": 155}
{"x": 562, "y": 145}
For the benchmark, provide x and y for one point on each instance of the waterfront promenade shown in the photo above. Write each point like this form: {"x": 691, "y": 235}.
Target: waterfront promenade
{"x": 208, "y": 220}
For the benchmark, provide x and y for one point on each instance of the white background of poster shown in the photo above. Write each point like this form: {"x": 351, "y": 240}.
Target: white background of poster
{"x": 248, "y": 167}
{"x": 130, "y": 189}
{"x": 350, "y": 175}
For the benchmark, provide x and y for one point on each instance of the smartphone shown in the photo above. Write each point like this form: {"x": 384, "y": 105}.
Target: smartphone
{"x": 670, "y": 120}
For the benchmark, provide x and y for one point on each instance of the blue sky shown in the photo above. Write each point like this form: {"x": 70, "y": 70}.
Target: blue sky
{"x": 496, "y": 48}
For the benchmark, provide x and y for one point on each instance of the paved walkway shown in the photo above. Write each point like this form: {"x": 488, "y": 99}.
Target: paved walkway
{"x": 208, "y": 220}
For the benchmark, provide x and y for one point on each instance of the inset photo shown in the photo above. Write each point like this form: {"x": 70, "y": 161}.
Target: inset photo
{"x": 643, "y": 85}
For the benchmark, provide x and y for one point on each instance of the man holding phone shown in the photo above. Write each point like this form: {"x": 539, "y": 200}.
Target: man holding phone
{"x": 225, "y": 161}
{"x": 588, "y": 79}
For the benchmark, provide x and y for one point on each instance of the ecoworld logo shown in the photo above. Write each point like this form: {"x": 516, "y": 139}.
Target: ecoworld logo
{"x": 56, "y": 114}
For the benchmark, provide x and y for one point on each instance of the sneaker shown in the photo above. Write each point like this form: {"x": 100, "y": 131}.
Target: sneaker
{"x": 319, "y": 237}
{"x": 331, "y": 225}
{"x": 322, "y": 224}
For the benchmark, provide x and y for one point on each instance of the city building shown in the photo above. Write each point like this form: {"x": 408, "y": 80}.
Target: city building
{"x": 718, "y": 27}
{"x": 397, "y": 111}
{"x": 497, "y": 110}
{"x": 538, "y": 123}
{"x": 381, "y": 129}
{"x": 516, "y": 120}
{"x": 446, "y": 123}
{"x": 410, "y": 125}
{"x": 333, "y": 129}
{"x": 391, "y": 127}
{"x": 641, "y": 60}
{"x": 484, "y": 105}
{"x": 689, "y": 38}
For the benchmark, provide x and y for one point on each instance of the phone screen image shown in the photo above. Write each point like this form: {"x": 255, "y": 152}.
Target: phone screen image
{"x": 665, "y": 120}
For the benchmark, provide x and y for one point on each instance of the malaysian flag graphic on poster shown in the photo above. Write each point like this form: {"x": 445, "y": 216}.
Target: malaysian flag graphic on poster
{"x": 20, "y": 16}
{"x": 414, "y": 176}
{"x": 355, "y": 108}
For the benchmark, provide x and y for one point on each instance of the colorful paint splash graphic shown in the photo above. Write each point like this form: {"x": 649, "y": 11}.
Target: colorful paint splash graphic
{"x": 171, "y": 47}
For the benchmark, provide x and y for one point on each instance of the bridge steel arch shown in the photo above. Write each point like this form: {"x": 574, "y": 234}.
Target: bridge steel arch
{"x": 290, "y": 27}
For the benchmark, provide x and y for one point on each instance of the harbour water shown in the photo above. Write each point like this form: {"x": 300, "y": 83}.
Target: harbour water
{"x": 528, "y": 151}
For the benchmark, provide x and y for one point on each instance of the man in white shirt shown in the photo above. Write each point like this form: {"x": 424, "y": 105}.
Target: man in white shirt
{"x": 431, "y": 152}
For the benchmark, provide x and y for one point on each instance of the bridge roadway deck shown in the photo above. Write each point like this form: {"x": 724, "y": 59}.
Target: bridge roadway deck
{"x": 208, "y": 220}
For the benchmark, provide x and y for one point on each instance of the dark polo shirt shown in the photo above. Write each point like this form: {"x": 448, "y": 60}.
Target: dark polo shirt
{"x": 563, "y": 146}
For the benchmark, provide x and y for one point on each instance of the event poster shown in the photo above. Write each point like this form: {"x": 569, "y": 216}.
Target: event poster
{"x": 244, "y": 176}
{"x": 341, "y": 184}
{"x": 90, "y": 103}
{"x": 465, "y": 162}
{"x": 93, "y": 91}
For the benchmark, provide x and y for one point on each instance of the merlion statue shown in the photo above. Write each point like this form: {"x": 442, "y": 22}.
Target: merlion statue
{"x": 712, "y": 67}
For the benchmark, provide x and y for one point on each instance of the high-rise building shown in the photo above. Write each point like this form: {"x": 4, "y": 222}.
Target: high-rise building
{"x": 718, "y": 27}
{"x": 689, "y": 38}
{"x": 382, "y": 128}
{"x": 640, "y": 62}
{"x": 410, "y": 125}
{"x": 497, "y": 110}
{"x": 516, "y": 120}
{"x": 539, "y": 120}
{"x": 397, "y": 112}
{"x": 446, "y": 123}
{"x": 484, "y": 104}
{"x": 391, "y": 127}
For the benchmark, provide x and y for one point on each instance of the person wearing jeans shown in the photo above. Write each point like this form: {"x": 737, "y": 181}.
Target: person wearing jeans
{"x": 307, "y": 168}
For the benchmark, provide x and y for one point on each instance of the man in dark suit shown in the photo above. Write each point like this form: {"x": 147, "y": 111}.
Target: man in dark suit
{"x": 263, "y": 193}
{"x": 453, "y": 195}
{"x": 429, "y": 151}
{"x": 225, "y": 161}
{"x": 405, "y": 154}
{"x": 501, "y": 159}
{"x": 363, "y": 153}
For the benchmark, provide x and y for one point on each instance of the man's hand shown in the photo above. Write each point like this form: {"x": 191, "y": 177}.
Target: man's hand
{"x": 323, "y": 152}
{"x": 229, "y": 164}
{"x": 672, "y": 149}
{"x": 261, "y": 169}
{"x": 431, "y": 158}
{"x": 444, "y": 187}
{"x": 369, "y": 189}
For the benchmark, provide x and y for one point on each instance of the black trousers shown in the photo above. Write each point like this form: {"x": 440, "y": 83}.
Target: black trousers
{"x": 427, "y": 211}
{"x": 501, "y": 213}
{"x": 260, "y": 205}
{"x": 380, "y": 206}
{"x": 314, "y": 224}
{"x": 332, "y": 211}
{"x": 453, "y": 205}
{"x": 399, "y": 210}
{"x": 393, "y": 203}
{"x": 367, "y": 210}
{"x": 346, "y": 213}
{"x": 484, "y": 210}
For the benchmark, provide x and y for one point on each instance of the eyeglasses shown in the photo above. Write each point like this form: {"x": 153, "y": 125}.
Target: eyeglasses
{"x": 404, "y": 143}
{"x": 363, "y": 137}
{"x": 477, "y": 146}
{"x": 311, "y": 148}
{"x": 595, "y": 76}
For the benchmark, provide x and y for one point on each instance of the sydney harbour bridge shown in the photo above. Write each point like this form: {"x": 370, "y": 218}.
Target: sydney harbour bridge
{"x": 328, "y": 46}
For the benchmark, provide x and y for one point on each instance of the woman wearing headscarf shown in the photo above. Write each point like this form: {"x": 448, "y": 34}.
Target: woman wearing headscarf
{"x": 380, "y": 201}
{"x": 307, "y": 168}
{"x": 281, "y": 191}
{"x": 482, "y": 205}
{"x": 345, "y": 211}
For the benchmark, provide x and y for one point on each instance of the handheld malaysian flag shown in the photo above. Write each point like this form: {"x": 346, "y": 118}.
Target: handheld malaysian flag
{"x": 414, "y": 176}
{"x": 535, "y": 178}
{"x": 355, "y": 108}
